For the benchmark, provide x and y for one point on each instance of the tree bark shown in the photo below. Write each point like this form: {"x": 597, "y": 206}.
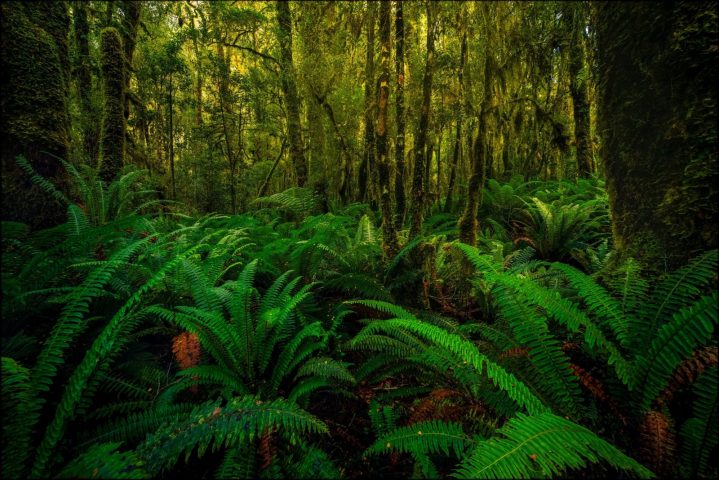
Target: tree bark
{"x": 367, "y": 167}
{"x": 83, "y": 78}
{"x": 34, "y": 117}
{"x": 130, "y": 21}
{"x": 418, "y": 187}
{"x": 112, "y": 137}
{"x": 400, "y": 197}
{"x": 289, "y": 88}
{"x": 659, "y": 123}
{"x": 468, "y": 224}
{"x": 389, "y": 234}
{"x": 579, "y": 91}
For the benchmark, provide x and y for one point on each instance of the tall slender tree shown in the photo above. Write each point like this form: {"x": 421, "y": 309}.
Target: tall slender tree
{"x": 418, "y": 186}
{"x": 389, "y": 234}
{"x": 400, "y": 196}
{"x": 289, "y": 88}
{"x": 366, "y": 170}
{"x": 460, "y": 112}
{"x": 575, "y": 20}
{"x": 112, "y": 135}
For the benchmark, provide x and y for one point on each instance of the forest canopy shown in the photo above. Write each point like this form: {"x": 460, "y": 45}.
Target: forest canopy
{"x": 349, "y": 239}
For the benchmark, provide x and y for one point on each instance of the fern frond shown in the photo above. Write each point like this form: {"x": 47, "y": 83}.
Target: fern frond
{"x": 135, "y": 426}
{"x": 542, "y": 445}
{"x": 101, "y": 348}
{"x": 700, "y": 433}
{"x": 467, "y": 352}
{"x": 689, "y": 328}
{"x": 673, "y": 293}
{"x": 599, "y": 302}
{"x": 210, "y": 424}
{"x": 430, "y": 437}
{"x": 384, "y": 307}
{"x": 325, "y": 367}
{"x": 104, "y": 461}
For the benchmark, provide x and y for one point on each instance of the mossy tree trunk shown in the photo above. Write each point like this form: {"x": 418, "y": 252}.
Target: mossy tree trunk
{"x": 367, "y": 166}
{"x": 481, "y": 157}
{"x": 418, "y": 186}
{"x": 112, "y": 135}
{"x": 389, "y": 234}
{"x": 458, "y": 138}
{"x": 658, "y": 118}
{"x": 289, "y": 87}
{"x": 399, "y": 192}
{"x": 83, "y": 77}
{"x": 35, "y": 121}
{"x": 578, "y": 87}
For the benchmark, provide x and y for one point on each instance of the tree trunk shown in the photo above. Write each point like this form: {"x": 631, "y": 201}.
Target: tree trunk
{"x": 112, "y": 137}
{"x": 579, "y": 90}
{"x": 399, "y": 115}
{"x": 418, "y": 188}
{"x": 468, "y": 224}
{"x": 34, "y": 116}
{"x": 130, "y": 21}
{"x": 171, "y": 142}
{"x": 83, "y": 77}
{"x": 289, "y": 88}
{"x": 659, "y": 121}
{"x": 367, "y": 166}
{"x": 198, "y": 73}
{"x": 389, "y": 234}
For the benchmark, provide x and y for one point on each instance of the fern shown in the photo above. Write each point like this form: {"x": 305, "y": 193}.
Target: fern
{"x": 41, "y": 181}
{"x": 690, "y": 327}
{"x": 223, "y": 427}
{"x": 104, "y": 461}
{"x": 542, "y": 445}
{"x": 430, "y": 437}
{"x": 700, "y": 433}
{"x": 100, "y": 349}
{"x": 672, "y": 294}
{"x": 467, "y": 352}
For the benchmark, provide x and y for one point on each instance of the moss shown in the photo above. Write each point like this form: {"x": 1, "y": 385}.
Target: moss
{"x": 112, "y": 134}
{"x": 658, "y": 112}
{"x": 34, "y": 114}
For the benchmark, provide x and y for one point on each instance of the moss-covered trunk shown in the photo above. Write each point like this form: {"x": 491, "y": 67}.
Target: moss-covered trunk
{"x": 112, "y": 134}
{"x": 35, "y": 121}
{"x": 399, "y": 192}
{"x": 418, "y": 185}
{"x": 658, "y": 118}
{"x": 579, "y": 89}
{"x": 289, "y": 87}
{"x": 389, "y": 234}
{"x": 367, "y": 166}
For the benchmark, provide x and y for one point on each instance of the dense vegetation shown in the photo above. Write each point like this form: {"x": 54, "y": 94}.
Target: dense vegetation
{"x": 359, "y": 239}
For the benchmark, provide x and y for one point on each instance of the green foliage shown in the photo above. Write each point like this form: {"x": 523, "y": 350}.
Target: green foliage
{"x": 699, "y": 433}
{"x": 423, "y": 438}
{"x": 547, "y": 356}
{"x": 112, "y": 130}
{"x": 212, "y": 425}
{"x": 527, "y": 447}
